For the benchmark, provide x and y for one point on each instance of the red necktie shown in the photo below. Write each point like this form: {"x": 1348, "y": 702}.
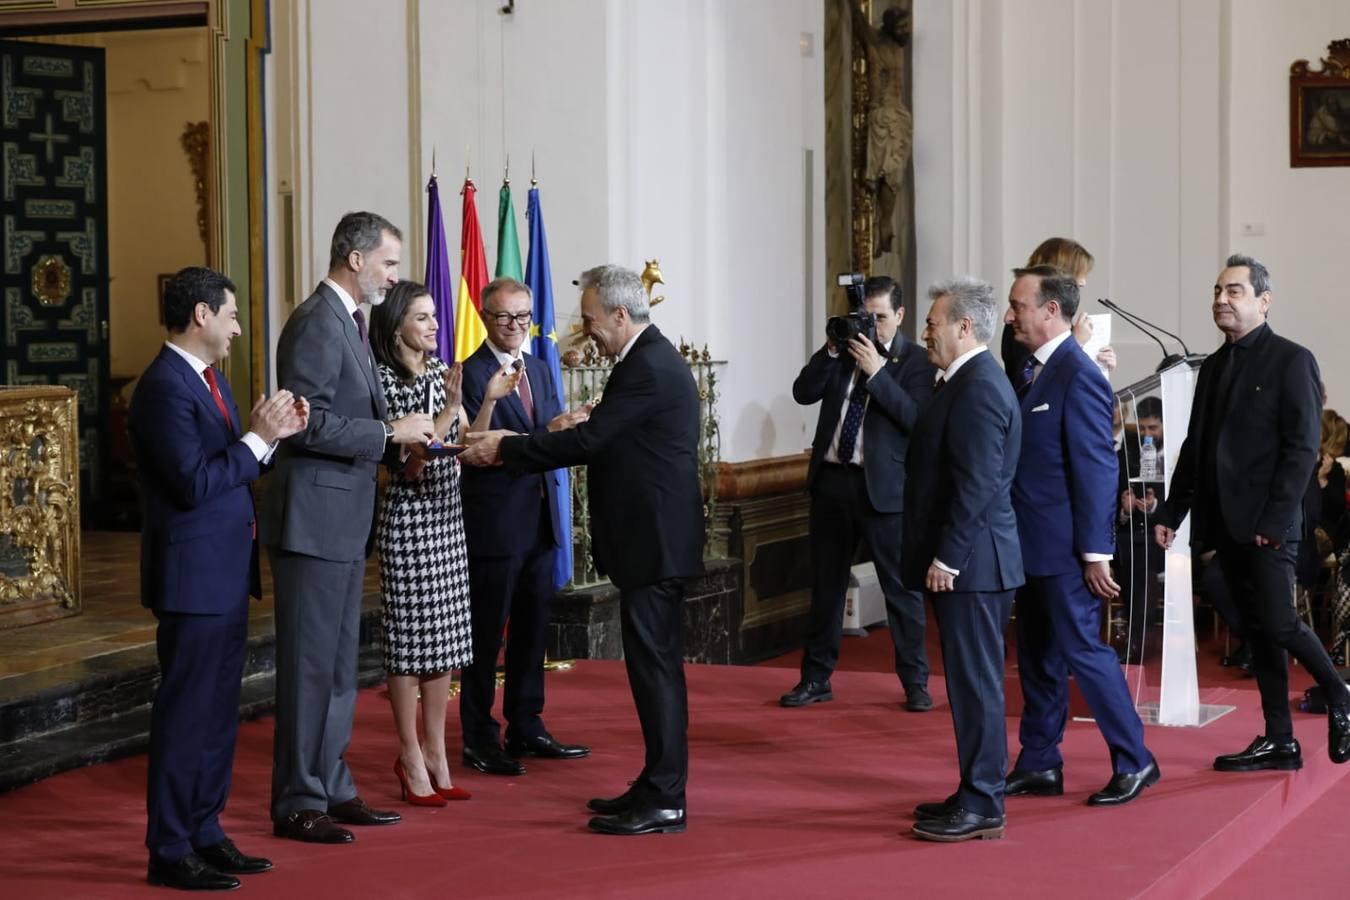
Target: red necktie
{"x": 210, "y": 375}
{"x": 526, "y": 398}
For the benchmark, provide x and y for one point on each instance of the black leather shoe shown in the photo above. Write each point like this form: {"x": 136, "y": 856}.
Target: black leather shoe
{"x": 1122, "y": 788}
{"x": 1241, "y": 657}
{"x": 609, "y": 806}
{"x": 959, "y": 825}
{"x": 312, "y": 827}
{"x": 640, "y": 820}
{"x": 225, "y": 857}
{"x": 189, "y": 874}
{"x": 545, "y": 747}
{"x": 1338, "y": 745}
{"x": 807, "y": 692}
{"x": 491, "y": 760}
{"x": 1045, "y": 783}
{"x": 356, "y": 812}
{"x": 936, "y": 810}
{"x": 917, "y": 699}
{"x": 1262, "y": 753}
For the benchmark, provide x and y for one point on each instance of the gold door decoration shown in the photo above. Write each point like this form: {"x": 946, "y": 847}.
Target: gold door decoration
{"x": 39, "y": 505}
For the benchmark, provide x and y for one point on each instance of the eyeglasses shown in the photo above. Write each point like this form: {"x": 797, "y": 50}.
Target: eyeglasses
{"x": 503, "y": 319}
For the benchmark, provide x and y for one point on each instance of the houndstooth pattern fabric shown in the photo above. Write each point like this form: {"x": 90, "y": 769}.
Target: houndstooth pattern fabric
{"x": 424, "y": 567}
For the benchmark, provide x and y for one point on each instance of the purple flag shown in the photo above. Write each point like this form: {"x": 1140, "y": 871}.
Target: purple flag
{"x": 438, "y": 282}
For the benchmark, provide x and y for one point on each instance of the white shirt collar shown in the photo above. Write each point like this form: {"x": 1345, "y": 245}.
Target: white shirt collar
{"x": 631, "y": 341}
{"x": 345, "y": 297}
{"x": 197, "y": 365}
{"x": 503, "y": 358}
{"x": 960, "y": 361}
{"x": 1046, "y": 350}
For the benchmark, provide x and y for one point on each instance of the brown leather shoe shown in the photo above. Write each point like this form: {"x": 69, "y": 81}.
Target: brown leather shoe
{"x": 313, "y": 827}
{"x": 356, "y": 812}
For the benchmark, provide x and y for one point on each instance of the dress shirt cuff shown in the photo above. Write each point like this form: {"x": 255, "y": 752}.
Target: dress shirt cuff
{"x": 946, "y": 568}
{"x": 1097, "y": 557}
{"x": 261, "y": 451}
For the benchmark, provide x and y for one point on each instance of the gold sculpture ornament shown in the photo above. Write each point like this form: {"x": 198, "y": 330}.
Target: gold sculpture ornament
{"x": 651, "y": 277}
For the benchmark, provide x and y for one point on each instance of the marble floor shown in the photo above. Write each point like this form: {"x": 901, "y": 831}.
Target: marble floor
{"x": 111, "y": 619}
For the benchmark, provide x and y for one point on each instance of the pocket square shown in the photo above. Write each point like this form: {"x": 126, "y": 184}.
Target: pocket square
{"x": 1042, "y": 408}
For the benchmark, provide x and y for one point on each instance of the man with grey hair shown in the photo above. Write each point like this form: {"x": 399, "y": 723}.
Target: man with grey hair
{"x": 640, "y": 447}
{"x": 1250, "y": 450}
{"x": 317, "y": 524}
{"x": 960, "y": 543}
{"x": 512, "y": 530}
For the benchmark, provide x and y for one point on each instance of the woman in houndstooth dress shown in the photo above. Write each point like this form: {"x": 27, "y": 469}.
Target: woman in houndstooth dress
{"x": 424, "y": 567}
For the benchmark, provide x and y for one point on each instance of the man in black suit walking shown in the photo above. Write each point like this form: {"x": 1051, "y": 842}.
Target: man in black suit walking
{"x": 512, "y": 532}
{"x": 640, "y": 446}
{"x": 961, "y": 544}
{"x": 1253, "y": 439}
{"x": 869, "y": 393}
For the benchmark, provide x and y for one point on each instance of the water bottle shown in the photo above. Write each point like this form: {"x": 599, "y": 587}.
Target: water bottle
{"x": 1148, "y": 461}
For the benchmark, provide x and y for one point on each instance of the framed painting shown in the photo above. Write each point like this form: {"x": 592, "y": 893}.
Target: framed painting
{"x": 1319, "y": 109}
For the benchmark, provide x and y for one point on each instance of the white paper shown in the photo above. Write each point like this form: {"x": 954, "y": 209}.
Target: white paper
{"x": 1101, "y": 337}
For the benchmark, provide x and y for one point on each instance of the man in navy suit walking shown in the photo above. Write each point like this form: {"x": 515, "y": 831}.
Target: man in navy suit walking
{"x": 1064, "y": 496}
{"x": 512, "y": 529}
{"x": 199, "y": 564}
{"x": 960, "y": 543}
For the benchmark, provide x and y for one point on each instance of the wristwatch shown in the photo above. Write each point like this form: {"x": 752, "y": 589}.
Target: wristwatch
{"x": 388, "y": 432}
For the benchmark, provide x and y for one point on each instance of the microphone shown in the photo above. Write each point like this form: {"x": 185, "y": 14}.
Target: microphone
{"x": 1110, "y": 304}
{"x": 1147, "y": 328}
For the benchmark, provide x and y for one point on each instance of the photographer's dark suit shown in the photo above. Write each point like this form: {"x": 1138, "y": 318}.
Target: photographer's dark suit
{"x": 1253, "y": 439}
{"x": 851, "y": 502}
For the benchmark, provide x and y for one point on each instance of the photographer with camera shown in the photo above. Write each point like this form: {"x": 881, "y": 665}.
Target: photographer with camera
{"x": 871, "y": 383}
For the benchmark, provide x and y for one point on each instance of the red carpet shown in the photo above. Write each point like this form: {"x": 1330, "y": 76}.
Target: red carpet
{"x": 785, "y": 803}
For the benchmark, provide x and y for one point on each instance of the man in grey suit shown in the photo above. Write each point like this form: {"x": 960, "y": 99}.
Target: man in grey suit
{"x": 317, "y": 523}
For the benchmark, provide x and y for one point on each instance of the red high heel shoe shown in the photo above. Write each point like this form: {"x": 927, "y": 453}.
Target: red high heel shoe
{"x": 432, "y": 799}
{"x": 454, "y": 792}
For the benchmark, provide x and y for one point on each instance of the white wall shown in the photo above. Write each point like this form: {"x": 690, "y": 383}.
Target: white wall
{"x": 660, "y": 129}
{"x": 1302, "y": 211}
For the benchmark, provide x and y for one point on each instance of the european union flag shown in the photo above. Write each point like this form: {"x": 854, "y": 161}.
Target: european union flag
{"x": 545, "y": 347}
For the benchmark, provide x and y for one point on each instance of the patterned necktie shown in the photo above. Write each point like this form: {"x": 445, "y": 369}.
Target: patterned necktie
{"x": 523, "y": 388}
{"x": 1025, "y": 377}
{"x": 853, "y": 417}
{"x": 210, "y": 375}
{"x": 360, "y": 318}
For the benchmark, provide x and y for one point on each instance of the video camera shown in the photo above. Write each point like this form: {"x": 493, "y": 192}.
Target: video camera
{"x": 857, "y": 321}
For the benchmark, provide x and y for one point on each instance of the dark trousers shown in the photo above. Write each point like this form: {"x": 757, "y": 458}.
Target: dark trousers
{"x": 193, "y": 725}
{"x": 841, "y": 516}
{"x": 318, "y": 618}
{"x": 1261, "y": 580}
{"x": 518, "y": 589}
{"x": 652, "y": 617}
{"x": 1059, "y": 634}
{"x": 970, "y": 626}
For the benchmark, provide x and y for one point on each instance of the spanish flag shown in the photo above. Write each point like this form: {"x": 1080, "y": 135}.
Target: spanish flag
{"x": 469, "y": 329}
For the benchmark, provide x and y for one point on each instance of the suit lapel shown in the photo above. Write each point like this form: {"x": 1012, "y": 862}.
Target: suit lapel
{"x": 196, "y": 386}
{"x": 348, "y": 324}
{"x": 1048, "y": 371}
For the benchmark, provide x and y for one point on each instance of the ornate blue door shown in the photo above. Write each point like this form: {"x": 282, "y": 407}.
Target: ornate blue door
{"x": 53, "y": 215}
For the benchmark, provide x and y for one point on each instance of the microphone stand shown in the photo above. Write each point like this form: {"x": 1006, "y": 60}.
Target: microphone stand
{"x": 1169, "y": 359}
